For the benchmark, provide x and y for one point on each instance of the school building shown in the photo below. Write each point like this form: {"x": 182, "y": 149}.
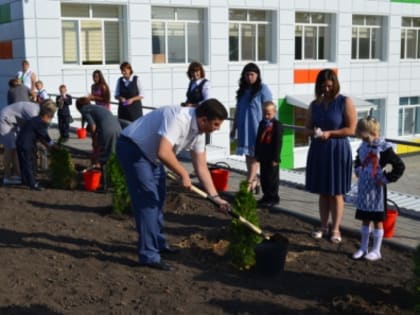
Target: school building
{"x": 374, "y": 45}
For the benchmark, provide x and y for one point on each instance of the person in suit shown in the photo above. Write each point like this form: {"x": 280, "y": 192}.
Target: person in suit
{"x": 36, "y": 129}
{"x": 199, "y": 87}
{"x": 267, "y": 153}
{"x": 63, "y": 102}
{"x": 129, "y": 93}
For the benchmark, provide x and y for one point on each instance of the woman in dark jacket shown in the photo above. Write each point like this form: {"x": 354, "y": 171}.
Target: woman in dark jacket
{"x": 129, "y": 94}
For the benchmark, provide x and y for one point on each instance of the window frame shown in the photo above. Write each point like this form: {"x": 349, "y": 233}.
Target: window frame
{"x": 256, "y": 25}
{"x": 404, "y": 41}
{"x": 164, "y": 57}
{"x": 79, "y": 34}
{"x": 372, "y": 50}
{"x": 403, "y": 111}
{"x": 327, "y": 45}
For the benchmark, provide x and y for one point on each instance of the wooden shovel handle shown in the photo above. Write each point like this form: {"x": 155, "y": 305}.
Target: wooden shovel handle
{"x": 233, "y": 214}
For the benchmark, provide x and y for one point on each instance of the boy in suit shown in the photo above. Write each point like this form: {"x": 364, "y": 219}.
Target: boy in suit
{"x": 35, "y": 129}
{"x": 63, "y": 102}
{"x": 267, "y": 152}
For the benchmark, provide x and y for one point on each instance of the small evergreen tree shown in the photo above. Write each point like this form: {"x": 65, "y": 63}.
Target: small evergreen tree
{"x": 62, "y": 171}
{"x": 242, "y": 241}
{"x": 121, "y": 203}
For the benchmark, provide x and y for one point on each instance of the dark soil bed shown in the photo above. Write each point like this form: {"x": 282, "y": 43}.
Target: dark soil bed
{"x": 63, "y": 252}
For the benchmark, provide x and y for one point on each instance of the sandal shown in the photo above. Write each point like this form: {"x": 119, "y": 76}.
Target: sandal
{"x": 336, "y": 237}
{"x": 320, "y": 233}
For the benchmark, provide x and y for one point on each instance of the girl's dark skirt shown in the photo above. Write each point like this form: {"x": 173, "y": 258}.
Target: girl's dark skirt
{"x": 375, "y": 216}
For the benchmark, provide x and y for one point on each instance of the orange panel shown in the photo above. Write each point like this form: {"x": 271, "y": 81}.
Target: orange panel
{"x": 301, "y": 76}
{"x": 6, "y": 50}
{"x": 307, "y": 75}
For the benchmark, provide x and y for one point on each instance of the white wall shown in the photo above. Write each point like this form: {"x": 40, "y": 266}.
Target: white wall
{"x": 38, "y": 39}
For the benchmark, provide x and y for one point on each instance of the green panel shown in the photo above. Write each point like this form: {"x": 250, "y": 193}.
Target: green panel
{"x": 5, "y": 15}
{"x": 287, "y": 117}
{"x": 406, "y": 1}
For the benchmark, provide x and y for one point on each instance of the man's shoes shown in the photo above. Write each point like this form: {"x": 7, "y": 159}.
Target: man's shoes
{"x": 38, "y": 187}
{"x": 159, "y": 266}
{"x": 169, "y": 250}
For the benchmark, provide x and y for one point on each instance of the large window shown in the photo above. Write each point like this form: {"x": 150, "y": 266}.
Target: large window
{"x": 177, "y": 35}
{"x": 410, "y": 38}
{"x": 312, "y": 36}
{"x": 250, "y": 35}
{"x": 366, "y": 37}
{"x": 409, "y": 116}
{"x": 91, "y": 34}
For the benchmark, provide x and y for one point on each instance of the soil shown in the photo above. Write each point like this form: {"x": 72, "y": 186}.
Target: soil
{"x": 63, "y": 252}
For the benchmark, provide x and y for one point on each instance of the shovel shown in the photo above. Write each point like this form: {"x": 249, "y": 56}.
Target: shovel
{"x": 235, "y": 215}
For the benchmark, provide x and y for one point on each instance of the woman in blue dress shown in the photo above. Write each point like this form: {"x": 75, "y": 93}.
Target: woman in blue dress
{"x": 331, "y": 119}
{"x": 250, "y": 97}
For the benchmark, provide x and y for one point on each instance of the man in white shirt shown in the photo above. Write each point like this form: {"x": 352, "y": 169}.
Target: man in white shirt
{"x": 27, "y": 77}
{"x": 152, "y": 142}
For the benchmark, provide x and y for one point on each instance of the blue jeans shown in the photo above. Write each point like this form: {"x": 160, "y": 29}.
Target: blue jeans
{"x": 146, "y": 184}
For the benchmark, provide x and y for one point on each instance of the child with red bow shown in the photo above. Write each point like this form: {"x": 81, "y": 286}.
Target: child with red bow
{"x": 373, "y": 155}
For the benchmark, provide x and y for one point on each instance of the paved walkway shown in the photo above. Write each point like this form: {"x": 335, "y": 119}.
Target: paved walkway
{"x": 299, "y": 202}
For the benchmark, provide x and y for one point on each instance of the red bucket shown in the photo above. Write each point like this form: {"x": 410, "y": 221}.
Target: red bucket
{"x": 92, "y": 179}
{"x": 81, "y": 133}
{"x": 220, "y": 178}
{"x": 390, "y": 220}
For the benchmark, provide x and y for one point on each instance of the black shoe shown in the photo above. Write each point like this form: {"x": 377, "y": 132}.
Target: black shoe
{"x": 169, "y": 250}
{"x": 263, "y": 202}
{"x": 159, "y": 266}
{"x": 38, "y": 187}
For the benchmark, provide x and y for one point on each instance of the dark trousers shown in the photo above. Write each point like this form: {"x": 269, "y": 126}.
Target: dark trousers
{"x": 26, "y": 163}
{"x": 64, "y": 125}
{"x": 269, "y": 177}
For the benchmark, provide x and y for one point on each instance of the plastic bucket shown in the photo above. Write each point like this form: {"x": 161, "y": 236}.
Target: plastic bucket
{"x": 270, "y": 256}
{"x": 220, "y": 176}
{"x": 390, "y": 220}
{"x": 81, "y": 133}
{"x": 92, "y": 179}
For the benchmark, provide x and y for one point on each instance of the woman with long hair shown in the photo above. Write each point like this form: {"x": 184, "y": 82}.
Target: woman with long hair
{"x": 250, "y": 97}
{"x": 100, "y": 90}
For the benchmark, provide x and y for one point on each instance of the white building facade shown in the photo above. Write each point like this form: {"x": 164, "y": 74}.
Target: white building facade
{"x": 374, "y": 45}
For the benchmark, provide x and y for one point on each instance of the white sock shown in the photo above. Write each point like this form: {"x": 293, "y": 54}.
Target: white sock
{"x": 375, "y": 253}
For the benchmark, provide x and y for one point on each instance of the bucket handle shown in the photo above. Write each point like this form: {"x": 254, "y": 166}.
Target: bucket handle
{"x": 219, "y": 164}
{"x": 394, "y": 204}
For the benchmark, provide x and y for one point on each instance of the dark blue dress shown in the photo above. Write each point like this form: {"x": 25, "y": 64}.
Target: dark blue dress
{"x": 329, "y": 162}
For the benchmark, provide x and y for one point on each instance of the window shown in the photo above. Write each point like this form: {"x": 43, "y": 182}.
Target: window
{"x": 410, "y": 38}
{"x": 91, "y": 34}
{"x": 366, "y": 37}
{"x": 312, "y": 36}
{"x": 250, "y": 35}
{"x": 5, "y": 13}
{"x": 177, "y": 35}
{"x": 409, "y": 116}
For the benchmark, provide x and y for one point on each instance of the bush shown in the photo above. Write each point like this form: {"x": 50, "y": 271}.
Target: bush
{"x": 242, "y": 240}
{"x": 63, "y": 173}
{"x": 120, "y": 199}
